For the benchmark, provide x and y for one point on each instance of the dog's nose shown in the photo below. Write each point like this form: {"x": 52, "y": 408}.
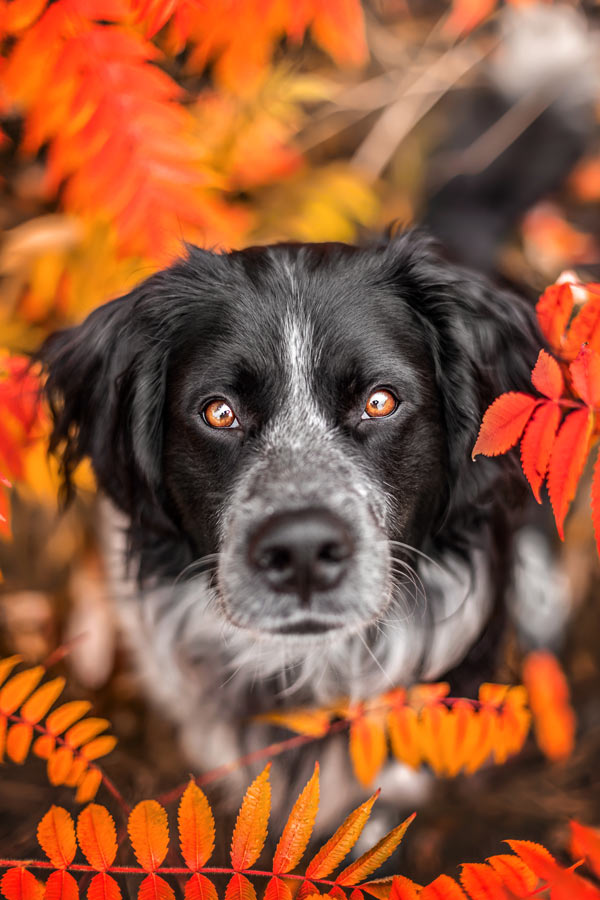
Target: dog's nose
{"x": 301, "y": 552}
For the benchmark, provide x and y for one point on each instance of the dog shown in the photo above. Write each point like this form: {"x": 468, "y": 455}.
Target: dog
{"x": 283, "y": 435}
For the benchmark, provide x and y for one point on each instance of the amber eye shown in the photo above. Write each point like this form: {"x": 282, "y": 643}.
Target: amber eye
{"x": 381, "y": 403}
{"x": 219, "y": 414}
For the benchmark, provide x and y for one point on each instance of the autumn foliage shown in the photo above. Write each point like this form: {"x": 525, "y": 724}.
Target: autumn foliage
{"x": 529, "y": 870}
{"x": 558, "y": 425}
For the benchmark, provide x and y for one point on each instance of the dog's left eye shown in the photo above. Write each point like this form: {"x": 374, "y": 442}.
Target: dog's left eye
{"x": 219, "y": 414}
{"x": 381, "y": 403}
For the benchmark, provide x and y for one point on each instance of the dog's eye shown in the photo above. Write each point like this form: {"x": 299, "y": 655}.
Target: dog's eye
{"x": 219, "y": 414}
{"x": 381, "y": 403}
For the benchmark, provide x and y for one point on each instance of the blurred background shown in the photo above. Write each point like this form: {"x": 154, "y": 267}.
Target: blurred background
{"x": 130, "y": 126}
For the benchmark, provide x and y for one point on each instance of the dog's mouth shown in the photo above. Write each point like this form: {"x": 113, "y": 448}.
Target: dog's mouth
{"x": 306, "y": 626}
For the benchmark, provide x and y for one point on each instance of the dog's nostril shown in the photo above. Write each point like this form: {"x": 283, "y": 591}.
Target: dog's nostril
{"x": 301, "y": 552}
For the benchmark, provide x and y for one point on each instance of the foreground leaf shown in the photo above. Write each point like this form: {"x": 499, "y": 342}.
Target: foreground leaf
{"x": 250, "y": 832}
{"x": 298, "y": 828}
{"x": 149, "y": 834}
{"x": 56, "y": 837}
{"x": 537, "y": 444}
{"x": 61, "y": 886}
{"x": 196, "y": 827}
{"x": 19, "y": 884}
{"x": 341, "y": 843}
{"x": 97, "y": 836}
{"x": 567, "y": 461}
{"x": 376, "y": 856}
{"x": 103, "y": 887}
{"x": 503, "y": 423}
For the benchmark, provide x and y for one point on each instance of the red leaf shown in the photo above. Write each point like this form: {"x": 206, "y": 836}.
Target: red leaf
{"x": 61, "y": 886}
{"x": 239, "y": 888}
{"x": 515, "y": 875}
{"x": 482, "y": 883}
{"x": 153, "y": 887}
{"x": 536, "y": 858}
{"x": 554, "y": 310}
{"x": 341, "y": 843}
{"x": 585, "y": 372}
{"x": 567, "y": 461}
{"x": 585, "y": 842}
{"x": 537, "y": 444}
{"x": 19, "y": 884}
{"x": 199, "y": 887}
{"x": 250, "y": 830}
{"x": 443, "y": 888}
{"x": 503, "y": 423}
{"x": 277, "y": 889}
{"x": 547, "y": 377}
{"x": 56, "y": 836}
{"x": 585, "y": 328}
{"x": 103, "y": 887}
{"x": 404, "y": 889}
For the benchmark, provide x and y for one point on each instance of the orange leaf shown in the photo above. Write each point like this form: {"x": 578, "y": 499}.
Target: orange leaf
{"x": 76, "y": 771}
{"x": 149, "y": 834}
{"x": 481, "y": 882}
{"x": 97, "y": 836}
{"x": 368, "y": 747}
{"x": 553, "y": 716}
{"x": 103, "y": 887}
{"x": 585, "y": 373}
{"x": 88, "y": 786}
{"x": 585, "y": 328}
{"x": 7, "y": 665}
{"x": 536, "y": 858}
{"x": 100, "y": 747}
{"x": 373, "y": 858}
{"x": 403, "y": 889}
{"x": 515, "y": 875}
{"x": 196, "y": 827}
{"x": 298, "y": 827}
{"x": 56, "y": 837}
{"x": 18, "y": 741}
{"x": 18, "y": 688}
{"x": 239, "y": 888}
{"x": 306, "y": 889}
{"x": 199, "y": 887}
{"x": 40, "y": 702}
{"x": 547, "y": 377}
{"x": 503, "y": 423}
{"x": 59, "y": 765}
{"x": 250, "y": 832}
{"x": 60, "y": 719}
{"x": 304, "y": 721}
{"x": 403, "y": 727}
{"x": 537, "y": 444}
{"x": 554, "y": 310}
{"x": 61, "y": 886}
{"x": 44, "y": 746}
{"x": 153, "y": 887}
{"x": 379, "y": 887}
{"x": 567, "y": 461}
{"x": 19, "y": 884}
{"x": 277, "y": 890}
{"x": 443, "y": 888}
{"x": 340, "y": 844}
{"x": 585, "y": 842}
{"x": 84, "y": 731}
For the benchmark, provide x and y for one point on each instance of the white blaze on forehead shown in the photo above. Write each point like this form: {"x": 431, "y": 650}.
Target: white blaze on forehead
{"x": 300, "y": 356}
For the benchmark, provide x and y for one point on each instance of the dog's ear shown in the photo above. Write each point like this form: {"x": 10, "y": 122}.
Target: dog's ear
{"x": 105, "y": 387}
{"x": 484, "y": 341}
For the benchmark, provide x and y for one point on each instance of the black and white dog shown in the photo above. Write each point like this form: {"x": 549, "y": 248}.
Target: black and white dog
{"x": 287, "y": 431}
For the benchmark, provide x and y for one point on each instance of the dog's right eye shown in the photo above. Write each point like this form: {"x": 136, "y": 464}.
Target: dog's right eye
{"x": 219, "y": 414}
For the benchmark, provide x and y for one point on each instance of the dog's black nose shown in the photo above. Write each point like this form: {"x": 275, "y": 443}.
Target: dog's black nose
{"x": 301, "y": 552}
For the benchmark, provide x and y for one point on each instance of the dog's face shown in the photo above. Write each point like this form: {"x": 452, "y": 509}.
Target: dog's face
{"x": 303, "y": 430}
{"x": 300, "y": 416}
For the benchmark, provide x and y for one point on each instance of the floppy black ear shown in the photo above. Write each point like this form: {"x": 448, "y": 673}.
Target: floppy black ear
{"x": 105, "y": 387}
{"x": 484, "y": 341}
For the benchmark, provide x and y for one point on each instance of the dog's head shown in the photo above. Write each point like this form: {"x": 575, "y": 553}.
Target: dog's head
{"x": 304, "y": 412}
